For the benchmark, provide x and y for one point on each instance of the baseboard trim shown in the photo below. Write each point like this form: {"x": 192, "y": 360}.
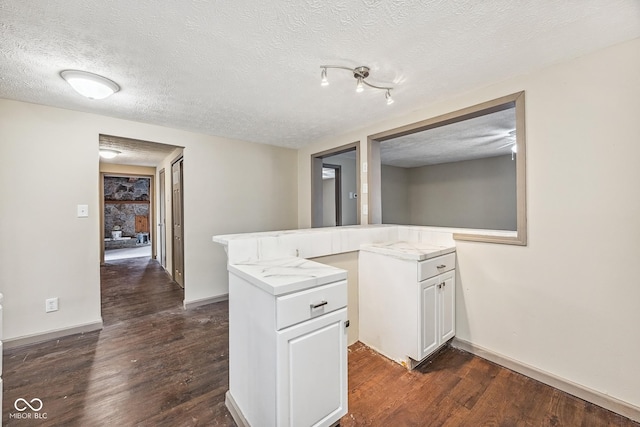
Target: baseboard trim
{"x": 188, "y": 305}
{"x": 597, "y": 398}
{"x": 50, "y": 335}
{"x": 236, "y": 414}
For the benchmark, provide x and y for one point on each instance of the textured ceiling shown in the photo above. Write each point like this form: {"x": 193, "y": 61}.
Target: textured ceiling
{"x": 134, "y": 151}
{"x": 485, "y": 136}
{"x": 249, "y": 69}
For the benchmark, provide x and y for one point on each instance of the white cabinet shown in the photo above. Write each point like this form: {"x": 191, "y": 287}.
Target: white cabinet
{"x": 437, "y": 313}
{"x": 312, "y": 371}
{"x": 287, "y": 353}
{"x": 407, "y": 306}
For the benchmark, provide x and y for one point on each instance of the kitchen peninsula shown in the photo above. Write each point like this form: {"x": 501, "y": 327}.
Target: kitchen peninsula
{"x": 288, "y": 314}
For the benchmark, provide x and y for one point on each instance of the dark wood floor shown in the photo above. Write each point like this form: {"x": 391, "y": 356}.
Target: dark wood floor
{"x": 456, "y": 388}
{"x": 152, "y": 364}
{"x": 155, "y": 364}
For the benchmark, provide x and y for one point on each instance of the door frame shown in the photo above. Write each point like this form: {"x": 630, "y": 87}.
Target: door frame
{"x": 152, "y": 210}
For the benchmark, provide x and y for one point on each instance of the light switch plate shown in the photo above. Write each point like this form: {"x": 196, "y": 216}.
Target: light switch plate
{"x": 51, "y": 304}
{"x": 83, "y": 211}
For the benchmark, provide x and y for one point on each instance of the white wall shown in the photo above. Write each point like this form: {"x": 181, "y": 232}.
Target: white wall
{"x": 478, "y": 194}
{"x": 45, "y": 251}
{"x": 329, "y": 202}
{"x": 567, "y": 303}
{"x": 394, "y": 189}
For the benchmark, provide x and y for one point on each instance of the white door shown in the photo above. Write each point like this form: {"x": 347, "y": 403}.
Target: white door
{"x": 447, "y": 307}
{"x": 428, "y": 328}
{"x": 312, "y": 372}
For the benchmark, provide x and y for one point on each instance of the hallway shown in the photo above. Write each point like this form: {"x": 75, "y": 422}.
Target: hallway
{"x": 153, "y": 363}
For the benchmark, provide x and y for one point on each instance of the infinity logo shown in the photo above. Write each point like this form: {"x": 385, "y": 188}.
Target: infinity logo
{"x": 26, "y": 404}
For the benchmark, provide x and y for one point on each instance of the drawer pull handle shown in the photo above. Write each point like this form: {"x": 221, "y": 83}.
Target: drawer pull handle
{"x": 318, "y": 305}
{"x": 442, "y": 266}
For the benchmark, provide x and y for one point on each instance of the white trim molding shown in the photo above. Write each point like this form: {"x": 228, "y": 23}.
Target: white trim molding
{"x": 577, "y": 390}
{"x": 50, "y": 335}
{"x": 189, "y": 305}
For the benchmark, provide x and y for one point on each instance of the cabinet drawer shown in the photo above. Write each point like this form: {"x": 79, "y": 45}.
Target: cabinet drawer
{"x": 304, "y": 305}
{"x": 433, "y": 267}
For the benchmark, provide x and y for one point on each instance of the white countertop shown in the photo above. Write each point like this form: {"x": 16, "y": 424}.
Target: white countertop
{"x": 318, "y": 242}
{"x": 284, "y": 275}
{"x": 416, "y": 251}
{"x": 277, "y": 261}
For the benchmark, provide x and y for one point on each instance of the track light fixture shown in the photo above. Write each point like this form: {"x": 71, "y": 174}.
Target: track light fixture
{"x": 360, "y": 74}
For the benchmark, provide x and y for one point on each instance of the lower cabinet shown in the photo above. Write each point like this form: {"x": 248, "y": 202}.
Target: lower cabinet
{"x": 287, "y": 355}
{"x": 437, "y": 314}
{"x": 407, "y": 307}
{"x": 312, "y": 371}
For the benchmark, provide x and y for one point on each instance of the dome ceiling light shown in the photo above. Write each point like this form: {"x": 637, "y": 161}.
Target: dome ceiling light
{"x": 90, "y": 85}
{"x": 108, "y": 153}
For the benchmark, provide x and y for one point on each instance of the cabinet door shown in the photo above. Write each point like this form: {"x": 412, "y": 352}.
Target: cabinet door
{"x": 428, "y": 330}
{"x": 447, "y": 307}
{"x": 312, "y": 371}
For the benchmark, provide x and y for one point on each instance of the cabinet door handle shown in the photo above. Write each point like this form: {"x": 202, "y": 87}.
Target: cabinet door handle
{"x": 442, "y": 266}
{"x": 318, "y": 305}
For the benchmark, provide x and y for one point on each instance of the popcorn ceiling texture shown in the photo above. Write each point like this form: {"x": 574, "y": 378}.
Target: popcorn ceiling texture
{"x": 249, "y": 69}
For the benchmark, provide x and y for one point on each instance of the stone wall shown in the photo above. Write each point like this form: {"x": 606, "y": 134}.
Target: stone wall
{"x": 123, "y": 215}
{"x": 123, "y": 188}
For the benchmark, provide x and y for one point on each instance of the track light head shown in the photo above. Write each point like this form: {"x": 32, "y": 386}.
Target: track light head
{"x": 323, "y": 77}
{"x": 388, "y": 97}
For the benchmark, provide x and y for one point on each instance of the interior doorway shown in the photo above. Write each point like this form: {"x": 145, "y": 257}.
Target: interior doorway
{"x": 331, "y": 195}
{"x": 334, "y": 200}
{"x": 127, "y": 216}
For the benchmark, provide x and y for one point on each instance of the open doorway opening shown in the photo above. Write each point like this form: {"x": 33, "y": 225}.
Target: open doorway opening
{"x": 335, "y": 180}
{"x": 331, "y": 195}
{"x": 127, "y": 216}
{"x": 135, "y": 204}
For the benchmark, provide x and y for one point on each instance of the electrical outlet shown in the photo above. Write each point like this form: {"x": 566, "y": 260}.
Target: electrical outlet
{"x": 83, "y": 211}
{"x": 51, "y": 304}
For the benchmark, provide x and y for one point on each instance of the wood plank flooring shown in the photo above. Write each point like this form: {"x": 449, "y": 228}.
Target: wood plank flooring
{"x": 152, "y": 364}
{"x": 155, "y": 364}
{"x": 456, "y": 388}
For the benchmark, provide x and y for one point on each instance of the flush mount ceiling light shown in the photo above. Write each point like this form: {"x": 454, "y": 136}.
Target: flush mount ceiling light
{"x": 90, "y": 85}
{"x": 360, "y": 74}
{"x": 106, "y": 153}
